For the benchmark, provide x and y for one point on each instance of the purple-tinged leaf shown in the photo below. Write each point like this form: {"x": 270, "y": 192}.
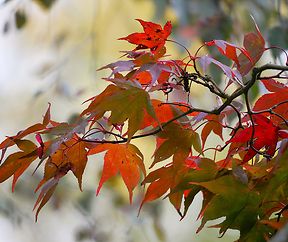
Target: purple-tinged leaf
{"x": 119, "y": 66}
{"x": 233, "y": 75}
{"x": 228, "y": 50}
{"x": 155, "y": 71}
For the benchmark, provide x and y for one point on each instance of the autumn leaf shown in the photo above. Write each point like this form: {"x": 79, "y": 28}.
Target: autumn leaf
{"x": 44, "y": 196}
{"x": 246, "y": 196}
{"x": 158, "y": 72}
{"x": 254, "y": 44}
{"x": 153, "y": 38}
{"x": 124, "y": 104}
{"x": 266, "y": 135}
{"x": 125, "y": 159}
{"x": 160, "y": 184}
{"x": 214, "y": 123}
{"x": 245, "y": 207}
{"x": 16, "y": 163}
{"x": 175, "y": 139}
{"x": 168, "y": 178}
{"x": 144, "y": 68}
{"x": 70, "y": 155}
{"x": 119, "y": 66}
{"x": 232, "y": 74}
{"x": 164, "y": 113}
{"x": 273, "y": 223}
{"x": 176, "y": 178}
{"x": 278, "y": 95}
{"x": 229, "y": 50}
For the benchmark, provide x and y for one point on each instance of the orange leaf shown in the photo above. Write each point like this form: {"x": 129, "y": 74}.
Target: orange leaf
{"x": 123, "y": 158}
{"x": 16, "y": 163}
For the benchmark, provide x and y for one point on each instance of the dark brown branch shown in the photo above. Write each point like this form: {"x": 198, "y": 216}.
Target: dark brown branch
{"x": 256, "y": 75}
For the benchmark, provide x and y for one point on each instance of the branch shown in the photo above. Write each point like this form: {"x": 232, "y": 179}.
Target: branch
{"x": 256, "y": 73}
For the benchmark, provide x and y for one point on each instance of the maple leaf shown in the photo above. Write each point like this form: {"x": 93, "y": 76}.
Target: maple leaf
{"x": 233, "y": 75}
{"x": 168, "y": 177}
{"x": 145, "y": 68}
{"x": 174, "y": 139}
{"x": 16, "y": 163}
{"x": 158, "y": 72}
{"x": 226, "y": 190}
{"x": 125, "y": 104}
{"x": 254, "y": 44}
{"x": 44, "y": 196}
{"x": 119, "y": 66}
{"x": 214, "y": 124}
{"x": 153, "y": 38}
{"x": 123, "y": 158}
{"x": 164, "y": 113}
{"x": 278, "y": 94}
{"x": 229, "y": 50}
{"x": 70, "y": 155}
{"x": 266, "y": 135}
{"x": 176, "y": 178}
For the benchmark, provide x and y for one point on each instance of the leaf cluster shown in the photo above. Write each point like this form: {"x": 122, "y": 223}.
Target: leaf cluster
{"x": 247, "y": 187}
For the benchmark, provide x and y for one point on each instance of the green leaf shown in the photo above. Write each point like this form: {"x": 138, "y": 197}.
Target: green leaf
{"x": 234, "y": 201}
{"x": 189, "y": 198}
{"x": 124, "y": 104}
{"x": 257, "y": 233}
{"x": 177, "y": 139}
{"x": 207, "y": 171}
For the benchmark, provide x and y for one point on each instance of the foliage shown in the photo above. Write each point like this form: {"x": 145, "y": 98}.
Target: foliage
{"x": 246, "y": 187}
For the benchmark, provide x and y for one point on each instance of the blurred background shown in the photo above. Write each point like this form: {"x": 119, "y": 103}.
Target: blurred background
{"x": 50, "y": 50}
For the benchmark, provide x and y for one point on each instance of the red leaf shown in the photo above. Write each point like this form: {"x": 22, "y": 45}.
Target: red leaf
{"x": 266, "y": 136}
{"x": 273, "y": 86}
{"x": 283, "y": 134}
{"x": 214, "y": 124}
{"x": 155, "y": 70}
{"x": 168, "y": 178}
{"x": 143, "y": 77}
{"x": 154, "y": 37}
{"x": 254, "y": 44}
{"x": 279, "y": 94}
{"x": 40, "y": 149}
{"x": 76, "y": 154}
